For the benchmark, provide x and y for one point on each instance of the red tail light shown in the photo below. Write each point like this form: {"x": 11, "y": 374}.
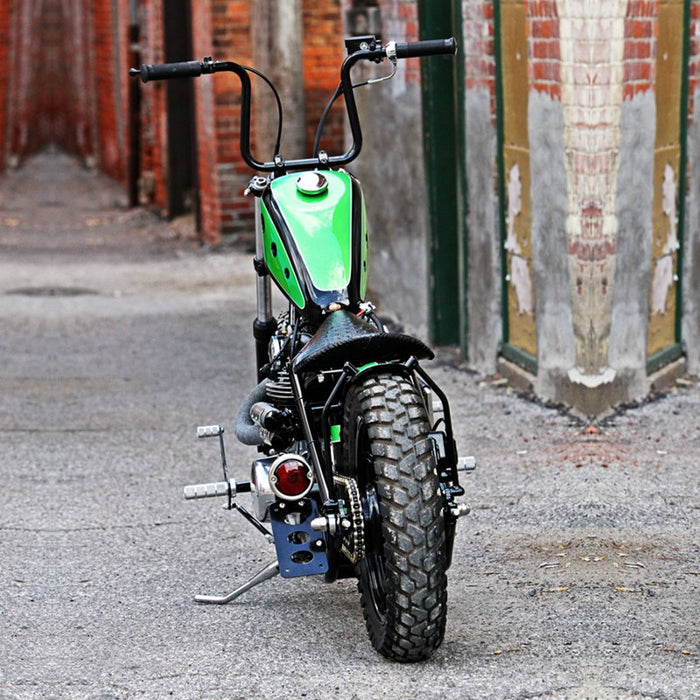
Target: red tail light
{"x": 291, "y": 477}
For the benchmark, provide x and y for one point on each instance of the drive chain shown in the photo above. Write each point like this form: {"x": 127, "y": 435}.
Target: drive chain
{"x": 352, "y": 542}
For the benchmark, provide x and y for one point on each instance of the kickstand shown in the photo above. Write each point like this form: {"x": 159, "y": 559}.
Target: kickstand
{"x": 268, "y": 572}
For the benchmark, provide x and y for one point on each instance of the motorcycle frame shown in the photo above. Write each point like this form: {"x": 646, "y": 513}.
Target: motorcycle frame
{"x": 265, "y": 325}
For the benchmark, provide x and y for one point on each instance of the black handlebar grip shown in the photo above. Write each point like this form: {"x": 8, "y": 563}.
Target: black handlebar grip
{"x": 165, "y": 71}
{"x": 431, "y": 47}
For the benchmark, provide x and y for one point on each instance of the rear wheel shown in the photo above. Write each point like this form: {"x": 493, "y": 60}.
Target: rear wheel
{"x": 401, "y": 579}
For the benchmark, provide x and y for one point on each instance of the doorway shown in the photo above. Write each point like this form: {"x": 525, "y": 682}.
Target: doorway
{"x": 181, "y": 119}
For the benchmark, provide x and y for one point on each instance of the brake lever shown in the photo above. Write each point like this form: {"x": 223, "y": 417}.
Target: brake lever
{"x": 394, "y": 68}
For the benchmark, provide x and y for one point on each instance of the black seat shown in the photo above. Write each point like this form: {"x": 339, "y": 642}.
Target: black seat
{"x": 343, "y": 337}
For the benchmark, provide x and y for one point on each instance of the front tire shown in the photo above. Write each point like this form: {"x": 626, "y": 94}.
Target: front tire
{"x": 401, "y": 579}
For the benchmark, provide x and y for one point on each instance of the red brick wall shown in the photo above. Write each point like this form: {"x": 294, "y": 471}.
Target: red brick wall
{"x": 545, "y": 55}
{"x": 152, "y": 183}
{"x": 110, "y": 30}
{"x": 222, "y": 174}
{"x": 323, "y": 52}
{"x": 478, "y": 49}
{"x": 27, "y": 85}
{"x": 407, "y": 19}
{"x": 640, "y": 43}
{"x": 221, "y": 29}
{"x": 65, "y": 103}
{"x": 694, "y": 68}
{"x": 400, "y": 23}
{"x": 208, "y": 176}
{"x": 224, "y": 208}
{"x": 69, "y": 94}
{"x": 73, "y": 105}
{"x": 231, "y": 26}
{"x": 5, "y": 23}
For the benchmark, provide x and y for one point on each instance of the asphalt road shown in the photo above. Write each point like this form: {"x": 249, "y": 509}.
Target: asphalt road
{"x": 575, "y": 576}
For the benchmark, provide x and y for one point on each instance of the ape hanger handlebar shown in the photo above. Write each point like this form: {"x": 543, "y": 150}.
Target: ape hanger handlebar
{"x": 364, "y": 48}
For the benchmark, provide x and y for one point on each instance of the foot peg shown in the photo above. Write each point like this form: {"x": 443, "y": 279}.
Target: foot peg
{"x": 217, "y": 488}
{"x": 460, "y": 509}
{"x": 207, "y": 431}
{"x": 466, "y": 464}
{"x": 228, "y": 487}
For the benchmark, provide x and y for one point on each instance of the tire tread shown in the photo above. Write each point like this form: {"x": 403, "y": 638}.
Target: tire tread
{"x": 413, "y": 526}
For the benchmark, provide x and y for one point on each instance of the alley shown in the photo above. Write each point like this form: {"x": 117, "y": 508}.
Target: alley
{"x": 575, "y": 576}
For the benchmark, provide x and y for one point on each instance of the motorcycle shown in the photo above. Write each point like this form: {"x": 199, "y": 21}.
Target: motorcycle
{"x": 357, "y": 473}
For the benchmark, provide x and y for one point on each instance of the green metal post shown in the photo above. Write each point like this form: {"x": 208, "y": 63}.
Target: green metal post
{"x": 501, "y": 167}
{"x": 683, "y": 165}
{"x": 441, "y": 143}
{"x": 463, "y": 198}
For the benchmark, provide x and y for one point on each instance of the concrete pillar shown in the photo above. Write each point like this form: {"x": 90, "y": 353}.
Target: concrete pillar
{"x": 597, "y": 192}
{"x": 277, "y": 34}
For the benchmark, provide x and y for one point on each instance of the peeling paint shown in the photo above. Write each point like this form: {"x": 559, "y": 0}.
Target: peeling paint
{"x": 519, "y": 275}
{"x": 484, "y": 262}
{"x": 664, "y": 277}
{"x": 691, "y": 242}
{"x": 633, "y": 268}
{"x": 550, "y": 261}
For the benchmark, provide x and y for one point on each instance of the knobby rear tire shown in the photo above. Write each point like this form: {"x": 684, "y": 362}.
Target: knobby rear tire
{"x": 402, "y": 580}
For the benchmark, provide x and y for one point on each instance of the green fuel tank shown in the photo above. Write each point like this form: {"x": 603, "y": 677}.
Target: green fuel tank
{"x": 315, "y": 238}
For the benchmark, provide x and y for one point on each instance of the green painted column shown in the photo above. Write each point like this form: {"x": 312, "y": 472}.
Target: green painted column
{"x": 443, "y": 110}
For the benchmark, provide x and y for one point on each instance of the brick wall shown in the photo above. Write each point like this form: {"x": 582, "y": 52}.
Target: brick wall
{"x": 544, "y": 47}
{"x": 400, "y": 23}
{"x": 479, "y": 49}
{"x": 5, "y": 23}
{"x": 69, "y": 94}
{"x": 208, "y": 176}
{"x": 231, "y": 31}
{"x": 640, "y": 47}
{"x": 76, "y": 112}
{"x": 152, "y": 181}
{"x": 110, "y": 30}
{"x": 694, "y": 68}
{"x": 26, "y": 85}
{"x": 323, "y": 52}
{"x": 222, "y": 29}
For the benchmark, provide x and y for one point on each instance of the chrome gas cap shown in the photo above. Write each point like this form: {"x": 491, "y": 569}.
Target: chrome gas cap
{"x": 312, "y": 183}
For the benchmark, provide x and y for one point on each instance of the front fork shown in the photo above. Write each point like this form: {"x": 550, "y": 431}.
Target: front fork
{"x": 265, "y": 324}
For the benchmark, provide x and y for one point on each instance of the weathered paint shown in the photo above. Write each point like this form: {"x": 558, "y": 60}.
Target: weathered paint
{"x": 396, "y": 200}
{"x": 669, "y": 63}
{"x": 630, "y": 307}
{"x": 555, "y": 334}
{"x": 484, "y": 273}
{"x": 691, "y": 258}
{"x": 663, "y": 281}
{"x": 518, "y": 268}
{"x": 482, "y": 281}
{"x": 614, "y": 158}
{"x": 520, "y": 331}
